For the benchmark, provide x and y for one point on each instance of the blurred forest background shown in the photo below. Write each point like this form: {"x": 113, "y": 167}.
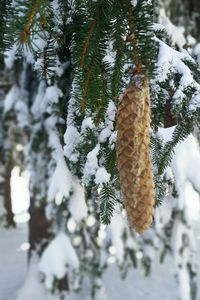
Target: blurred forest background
{"x": 64, "y": 66}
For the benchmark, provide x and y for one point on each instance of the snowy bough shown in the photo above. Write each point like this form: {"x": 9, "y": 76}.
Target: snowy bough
{"x": 78, "y": 66}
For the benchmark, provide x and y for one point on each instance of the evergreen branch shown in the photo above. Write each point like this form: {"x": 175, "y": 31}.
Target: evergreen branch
{"x": 120, "y": 48}
{"x": 28, "y": 22}
{"x": 86, "y": 88}
{"x": 48, "y": 59}
{"x": 133, "y": 38}
{"x": 90, "y": 42}
{"x": 91, "y": 30}
{"x": 107, "y": 203}
{"x": 27, "y": 27}
{"x": 140, "y": 20}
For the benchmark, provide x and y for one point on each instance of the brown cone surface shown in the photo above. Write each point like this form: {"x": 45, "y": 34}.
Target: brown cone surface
{"x": 133, "y": 154}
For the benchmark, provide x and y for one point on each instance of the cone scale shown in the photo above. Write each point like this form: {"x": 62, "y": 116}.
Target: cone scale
{"x": 133, "y": 154}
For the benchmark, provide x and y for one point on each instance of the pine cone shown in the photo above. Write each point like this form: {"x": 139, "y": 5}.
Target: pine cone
{"x": 133, "y": 154}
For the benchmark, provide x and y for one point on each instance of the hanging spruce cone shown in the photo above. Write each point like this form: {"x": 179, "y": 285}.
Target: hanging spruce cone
{"x": 133, "y": 154}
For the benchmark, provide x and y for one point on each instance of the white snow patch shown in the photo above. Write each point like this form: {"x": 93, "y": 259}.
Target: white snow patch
{"x": 61, "y": 181}
{"x": 10, "y": 56}
{"x": 105, "y": 133}
{"x": 186, "y": 161}
{"x": 171, "y": 60}
{"x": 163, "y": 213}
{"x": 117, "y": 228}
{"x": 87, "y": 123}
{"x": 173, "y": 31}
{"x": 11, "y": 98}
{"x": 91, "y": 165}
{"x": 102, "y": 176}
{"x": 111, "y": 111}
{"x": 45, "y": 98}
{"x": 71, "y": 138}
{"x": 196, "y": 52}
{"x": 134, "y": 2}
{"x": 77, "y": 205}
{"x": 57, "y": 257}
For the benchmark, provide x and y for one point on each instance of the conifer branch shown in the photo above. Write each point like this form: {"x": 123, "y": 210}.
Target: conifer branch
{"x": 134, "y": 39}
{"x": 85, "y": 90}
{"x": 24, "y": 35}
{"x": 90, "y": 33}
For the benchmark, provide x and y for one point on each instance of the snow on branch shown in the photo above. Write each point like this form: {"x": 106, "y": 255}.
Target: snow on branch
{"x": 57, "y": 258}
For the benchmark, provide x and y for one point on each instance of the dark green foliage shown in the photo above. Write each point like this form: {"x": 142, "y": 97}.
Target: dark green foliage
{"x": 28, "y": 20}
{"x": 48, "y": 56}
{"x": 146, "y": 263}
{"x": 132, "y": 255}
{"x": 92, "y": 25}
{"x": 107, "y": 203}
{"x": 140, "y": 20}
{"x": 119, "y": 47}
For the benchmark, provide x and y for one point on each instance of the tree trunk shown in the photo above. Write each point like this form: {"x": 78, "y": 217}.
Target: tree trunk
{"x": 39, "y": 229}
{"x": 7, "y": 195}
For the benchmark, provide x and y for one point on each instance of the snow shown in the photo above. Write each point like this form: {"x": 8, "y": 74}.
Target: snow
{"x": 111, "y": 111}
{"x": 33, "y": 288}
{"x": 61, "y": 181}
{"x": 91, "y": 165}
{"x": 92, "y": 168}
{"x": 16, "y": 100}
{"x": 45, "y": 98}
{"x": 185, "y": 166}
{"x": 22, "y": 111}
{"x": 195, "y": 102}
{"x": 110, "y": 56}
{"x": 105, "y": 133}
{"x": 10, "y": 56}
{"x": 102, "y": 176}
{"x": 11, "y": 98}
{"x": 183, "y": 255}
{"x": 57, "y": 258}
{"x": 134, "y": 2}
{"x": 174, "y": 32}
{"x": 166, "y": 133}
{"x": 163, "y": 213}
{"x": 19, "y": 191}
{"x": 12, "y": 261}
{"x": 135, "y": 286}
{"x": 77, "y": 205}
{"x": 117, "y": 228}
{"x": 87, "y": 123}
{"x": 158, "y": 27}
{"x": 159, "y": 285}
{"x": 185, "y": 163}
{"x": 192, "y": 206}
{"x": 71, "y": 138}
{"x": 36, "y": 107}
{"x": 170, "y": 60}
{"x": 196, "y": 52}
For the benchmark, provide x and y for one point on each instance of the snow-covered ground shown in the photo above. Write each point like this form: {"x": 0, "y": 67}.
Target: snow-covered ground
{"x": 13, "y": 258}
{"x": 13, "y": 270}
{"x": 17, "y": 283}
